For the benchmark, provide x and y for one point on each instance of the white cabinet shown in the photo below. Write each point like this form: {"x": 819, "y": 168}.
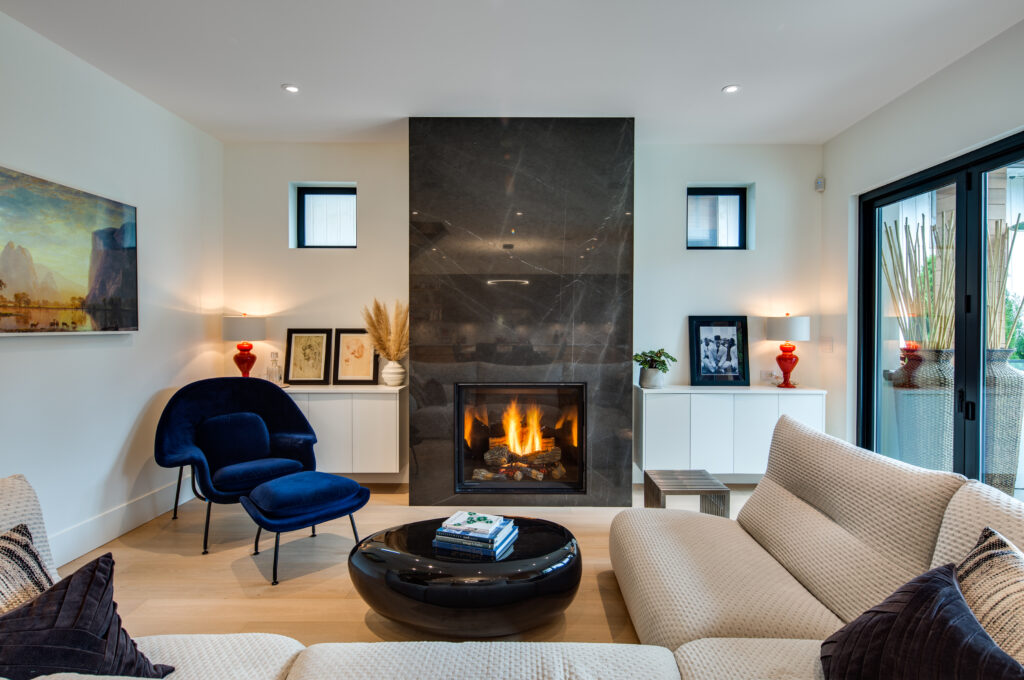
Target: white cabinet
{"x": 719, "y": 429}
{"x": 359, "y": 428}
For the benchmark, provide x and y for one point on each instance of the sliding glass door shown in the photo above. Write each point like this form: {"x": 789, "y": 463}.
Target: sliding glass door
{"x": 941, "y": 349}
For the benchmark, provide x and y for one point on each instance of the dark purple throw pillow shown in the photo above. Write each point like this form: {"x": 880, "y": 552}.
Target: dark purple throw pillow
{"x": 73, "y": 627}
{"x": 924, "y": 630}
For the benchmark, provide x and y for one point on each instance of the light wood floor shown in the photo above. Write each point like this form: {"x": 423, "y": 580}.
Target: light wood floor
{"x": 164, "y": 585}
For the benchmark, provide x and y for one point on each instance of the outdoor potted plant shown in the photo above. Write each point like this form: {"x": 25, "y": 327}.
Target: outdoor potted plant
{"x": 390, "y": 337}
{"x": 654, "y": 364}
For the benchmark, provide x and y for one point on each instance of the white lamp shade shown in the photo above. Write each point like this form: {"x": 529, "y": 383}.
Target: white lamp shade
{"x": 789, "y": 328}
{"x": 238, "y": 328}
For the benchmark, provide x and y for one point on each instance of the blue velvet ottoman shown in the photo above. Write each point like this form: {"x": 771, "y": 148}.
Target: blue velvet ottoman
{"x": 300, "y": 500}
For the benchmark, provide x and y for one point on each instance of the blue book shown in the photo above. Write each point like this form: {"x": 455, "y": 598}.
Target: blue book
{"x": 445, "y": 552}
{"x": 484, "y": 551}
{"x": 458, "y": 536}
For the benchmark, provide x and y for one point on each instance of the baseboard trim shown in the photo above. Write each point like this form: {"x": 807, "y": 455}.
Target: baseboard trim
{"x": 78, "y": 539}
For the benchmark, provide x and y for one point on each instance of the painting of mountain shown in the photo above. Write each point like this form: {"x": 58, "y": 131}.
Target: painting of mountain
{"x": 68, "y": 260}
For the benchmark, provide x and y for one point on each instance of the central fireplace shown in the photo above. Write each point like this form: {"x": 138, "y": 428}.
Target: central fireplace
{"x": 520, "y": 437}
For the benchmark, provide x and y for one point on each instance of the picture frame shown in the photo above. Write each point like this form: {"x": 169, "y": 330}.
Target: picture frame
{"x": 355, "y": 361}
{"x": 70, "y": 263}
{"x": 719, "y": 353}
{"x": 307, "y": 356}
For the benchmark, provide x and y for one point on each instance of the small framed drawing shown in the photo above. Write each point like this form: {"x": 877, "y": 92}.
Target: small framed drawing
{"x": 355, "y": 362}
{"x": 718, "y": 351}
{"x": 307, "y": 354}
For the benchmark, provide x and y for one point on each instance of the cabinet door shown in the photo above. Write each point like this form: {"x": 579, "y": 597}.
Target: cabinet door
{"x": 331, "y": 418}
{"x": 375, "y": 433}
{"x": 711, "y": 432}
{"x": 809, "y": 409}
{"x": 301, "y": 400}
{"x": 756, "y": 415}
{"x": 666, "y": 432}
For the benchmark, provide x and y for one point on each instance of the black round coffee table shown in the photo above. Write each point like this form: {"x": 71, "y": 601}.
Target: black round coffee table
{"x": 397, "y": 573}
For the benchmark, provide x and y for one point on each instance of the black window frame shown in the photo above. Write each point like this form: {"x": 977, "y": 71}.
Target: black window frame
{"x": 967, "y": 171}
{"x": 300, "y": 211}
{"x": 719, "y": 191}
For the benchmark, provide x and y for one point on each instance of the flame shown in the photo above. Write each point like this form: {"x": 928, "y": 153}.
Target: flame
{"x": 473, "y": 413}
{"x": 522, "y": 438}
{"x": 570, "y": 414}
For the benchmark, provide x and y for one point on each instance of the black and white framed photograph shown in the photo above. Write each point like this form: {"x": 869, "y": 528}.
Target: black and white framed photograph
{"x": 307, "y": 355}
{"x": 718, "y": 351}
{"x": 355, "y": 361}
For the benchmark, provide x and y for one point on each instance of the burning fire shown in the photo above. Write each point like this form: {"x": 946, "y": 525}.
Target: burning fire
{"x": 473, "y": 412}
{"x": 522, "y": 438}
{"x": 570, "y": 414}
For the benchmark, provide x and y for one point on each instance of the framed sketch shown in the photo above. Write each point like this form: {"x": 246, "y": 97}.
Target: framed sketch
{"x": 68, "y": 259}
{"x": 307, "y": 356}
{"x": 718, "y": 351}
{"x": 355, "y": 362}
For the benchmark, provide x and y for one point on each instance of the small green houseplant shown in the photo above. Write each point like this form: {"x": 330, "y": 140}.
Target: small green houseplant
{"x": 653, "y": 365}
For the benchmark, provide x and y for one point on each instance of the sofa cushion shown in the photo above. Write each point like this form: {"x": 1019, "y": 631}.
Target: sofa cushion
{"x": 973, "y": 507}
{"x": 992, "y": 581}
{"x": 233, "y": 438}
{"x": 849, "y": 524}
{"x": 20, "y": 505}
{"x": 252, "y": 473}
{"x": 23, "y": 575}
{"x": 761, "y": 658}
{"x": 686, "y": 576}
{"x": 924, "y": 630}
{"x": 492, "y": 660}
{"x": 243, "y": 656}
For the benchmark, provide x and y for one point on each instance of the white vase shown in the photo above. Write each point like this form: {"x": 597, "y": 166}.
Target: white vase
{"x": 393, "y": 374}
{"x": 651, "y": 378}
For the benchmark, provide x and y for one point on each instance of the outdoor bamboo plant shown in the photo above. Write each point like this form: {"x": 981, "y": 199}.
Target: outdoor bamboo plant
{"x": 919, "y": 266}
{"x": 389, "y": 334}
{"x": 1000, "y": 250}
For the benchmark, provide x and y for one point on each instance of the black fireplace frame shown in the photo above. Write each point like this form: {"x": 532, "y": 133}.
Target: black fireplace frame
{"x": 463, "y": 486}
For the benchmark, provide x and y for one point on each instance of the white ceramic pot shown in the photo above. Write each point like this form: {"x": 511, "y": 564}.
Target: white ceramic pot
{"x": 651, "y": 378}
{"x": 393, "y": 374}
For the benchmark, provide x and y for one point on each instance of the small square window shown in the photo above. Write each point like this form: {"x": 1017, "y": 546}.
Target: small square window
{"x": 325, "y": 217}
{"x": 716, "y": 217}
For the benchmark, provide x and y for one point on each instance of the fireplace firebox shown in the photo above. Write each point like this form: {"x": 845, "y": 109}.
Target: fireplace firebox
{"x": 520, "y": 438}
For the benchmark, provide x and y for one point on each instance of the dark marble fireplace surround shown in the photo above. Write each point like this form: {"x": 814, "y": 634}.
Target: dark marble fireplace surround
{"x": 496, "y": 202}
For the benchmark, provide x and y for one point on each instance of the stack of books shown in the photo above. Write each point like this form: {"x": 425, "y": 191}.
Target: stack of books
{"x": 475, "y": 534}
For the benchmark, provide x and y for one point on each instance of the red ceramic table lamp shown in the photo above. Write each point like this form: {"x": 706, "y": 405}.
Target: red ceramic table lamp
{"x": 243, "y": 329}
{"x": 788, "y": 328}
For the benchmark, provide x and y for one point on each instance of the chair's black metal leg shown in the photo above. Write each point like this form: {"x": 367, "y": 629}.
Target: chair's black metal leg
{"x": 351, "y": 518}
{"x": 314, "y": 530}
{"x": 256, "y": 546}
{"x": 177, "y": 491}
{"x": 206, "y": 531}
{"x": 277, "y": 547}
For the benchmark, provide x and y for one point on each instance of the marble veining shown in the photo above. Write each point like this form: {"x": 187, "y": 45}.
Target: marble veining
{"x": 521, "y": 270}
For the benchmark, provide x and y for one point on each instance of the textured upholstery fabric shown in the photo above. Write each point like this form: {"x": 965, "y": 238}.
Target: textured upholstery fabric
{"x": 250, "y": 474}
{"x": 686, "y": 576}
{"x": 20, "y": 505}
{"x": 233, "y": 438}
{"x": 992, "y": 581}
{"x": 491, "y": 660}
{"x": 849, "y": 524}
{"x": 761, "y": 658}
{"x": 73, "y": 626}
{"x": 23, "y": 575}
{"x": 196, "y": 403}
{"x": 924, "y": 630}
{"x": 974, "y": 507}
{"x": 303, "y": 499}
{"x": 245, "y": 656}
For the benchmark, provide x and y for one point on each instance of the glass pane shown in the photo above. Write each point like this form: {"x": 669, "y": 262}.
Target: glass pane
{"x": 915, "y": 322}
{"x": 713, "y": 221}
{"x": 330, "y": 220}
{"x": 1004, "y": 342}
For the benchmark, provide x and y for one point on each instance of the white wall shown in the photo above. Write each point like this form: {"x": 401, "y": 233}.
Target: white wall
{"x": 974, "y": 101}
{"x": 314, "y": 287}
{"x": 778, "y": 274}
{"x": 78, "y": 414}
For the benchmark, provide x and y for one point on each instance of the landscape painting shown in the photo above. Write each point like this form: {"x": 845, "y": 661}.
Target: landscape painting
{"x": 68, "y": 261}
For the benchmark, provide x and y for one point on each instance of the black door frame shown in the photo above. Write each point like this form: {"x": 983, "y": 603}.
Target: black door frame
{"x": 967, "y": 172}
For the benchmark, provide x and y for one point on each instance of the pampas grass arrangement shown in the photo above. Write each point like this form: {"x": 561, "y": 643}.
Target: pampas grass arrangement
{"x": 1000, "y": 249}
{"x": 388, "y": 333}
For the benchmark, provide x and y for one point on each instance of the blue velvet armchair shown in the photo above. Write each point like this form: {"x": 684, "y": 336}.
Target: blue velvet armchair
{"x": 235, "y": 434}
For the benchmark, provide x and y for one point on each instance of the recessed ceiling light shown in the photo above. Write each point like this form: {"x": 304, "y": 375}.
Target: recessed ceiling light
{"x": 415, "y": 212}
{"x": 289, "y": 88}
{"x": 518, "y": 282}
{"x": 731, "y": 89}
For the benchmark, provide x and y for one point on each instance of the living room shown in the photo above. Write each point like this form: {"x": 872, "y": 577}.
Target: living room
{"x": 179, "y": 111}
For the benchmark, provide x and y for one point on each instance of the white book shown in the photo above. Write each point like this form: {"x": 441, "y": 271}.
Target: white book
{"x": 474, "y": 522}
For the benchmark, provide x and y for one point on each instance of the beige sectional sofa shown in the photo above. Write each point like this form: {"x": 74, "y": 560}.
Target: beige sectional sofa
{"x": 830, "y": 531}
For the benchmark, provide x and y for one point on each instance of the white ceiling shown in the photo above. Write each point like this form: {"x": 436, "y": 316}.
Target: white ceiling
{"x": 809, "y": 68}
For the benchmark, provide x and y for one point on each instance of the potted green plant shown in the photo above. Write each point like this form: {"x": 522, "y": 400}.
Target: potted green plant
{"x": 654, "y": 364}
